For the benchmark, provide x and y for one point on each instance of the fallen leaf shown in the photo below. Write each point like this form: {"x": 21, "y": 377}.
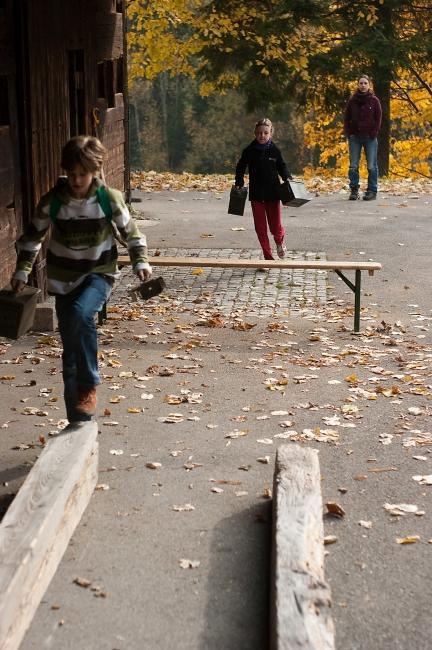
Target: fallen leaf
{"x": 410, "y": 539}
{"x": 172, "y": 418}
{"x": 365, "y": 524}
{"x": 237, "y": 434}
{"x": 414, "y": 410}
{"x": 189, "y": 564}
{"x": 398, "y": 509}
{"x": 82, "y": 582}
{"x": 334, "y": 509}
{"x": 152, "y": 465}
{"x": 423, "y": 480}
{"x": 188, "y": 507}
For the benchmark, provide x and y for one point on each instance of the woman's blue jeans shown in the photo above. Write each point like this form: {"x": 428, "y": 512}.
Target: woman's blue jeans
{"x": 370, "y": 146}
{"x": 76, "y": 313}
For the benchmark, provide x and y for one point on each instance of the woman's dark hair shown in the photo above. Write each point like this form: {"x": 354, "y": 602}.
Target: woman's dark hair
{"x": 363, "y": 76}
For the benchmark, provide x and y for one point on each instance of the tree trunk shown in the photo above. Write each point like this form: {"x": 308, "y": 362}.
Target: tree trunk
{"x": 383, "y": 74}
{"x": 382, "y": 91}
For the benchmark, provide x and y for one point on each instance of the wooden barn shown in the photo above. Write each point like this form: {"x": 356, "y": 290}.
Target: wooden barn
{"x": 62, "y": 73}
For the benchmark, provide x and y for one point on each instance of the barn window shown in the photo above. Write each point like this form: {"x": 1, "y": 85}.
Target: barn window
{"x": 117, "y": 6}
{"x": 119, "y": 75}
{"x": 4, "y": 101}
{"x": 105, "y": 75}
{"x": 76, "y": 92}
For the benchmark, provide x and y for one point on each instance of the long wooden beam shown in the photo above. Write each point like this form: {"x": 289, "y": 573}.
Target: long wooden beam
{"x": 300, "y": 598}
{"x": 218, "y": 262}
{"x": 39, "y": 524}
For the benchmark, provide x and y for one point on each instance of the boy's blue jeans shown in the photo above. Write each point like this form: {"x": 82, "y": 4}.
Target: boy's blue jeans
{"x": 370, "y": 145}
{"x": 76, "y": 318}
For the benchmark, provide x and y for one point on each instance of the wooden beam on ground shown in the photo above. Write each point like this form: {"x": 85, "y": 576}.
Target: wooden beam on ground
{"x": 39, "y": 524}
{"x": 300, "y": 598}
{"x": 216, "y": 262}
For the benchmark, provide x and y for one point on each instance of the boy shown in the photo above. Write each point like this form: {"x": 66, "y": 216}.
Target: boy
{"x": 81, "y": 262}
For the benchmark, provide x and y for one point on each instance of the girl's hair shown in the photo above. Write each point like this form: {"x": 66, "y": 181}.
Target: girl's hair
{"x": 363, "y": 76}
{"x": 84, "y": 150}
{"x": 264, "y": 122}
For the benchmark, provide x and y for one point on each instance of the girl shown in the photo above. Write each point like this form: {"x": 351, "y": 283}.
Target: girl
{"x": 265, "y": 164}
{"x": 81, "y": 262}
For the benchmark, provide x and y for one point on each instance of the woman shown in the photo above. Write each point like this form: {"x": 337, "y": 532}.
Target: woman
{"x": 362, "y": 122}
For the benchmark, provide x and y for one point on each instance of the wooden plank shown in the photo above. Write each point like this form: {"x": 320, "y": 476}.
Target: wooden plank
{"x": 39, "y": 523}
{"x": 300, "y": 598}
{"x": 217, "y": 262}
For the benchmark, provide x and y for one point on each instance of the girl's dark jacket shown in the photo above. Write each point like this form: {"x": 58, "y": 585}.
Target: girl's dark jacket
{"x": 363, "y": 115}
{"x": 265, "y": 166}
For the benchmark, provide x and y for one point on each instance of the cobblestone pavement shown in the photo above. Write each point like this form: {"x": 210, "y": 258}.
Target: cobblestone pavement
{"x": 265, "y": 294}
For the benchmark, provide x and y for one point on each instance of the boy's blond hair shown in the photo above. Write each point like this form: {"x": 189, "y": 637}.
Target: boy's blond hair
{"x": 84, "y": 150}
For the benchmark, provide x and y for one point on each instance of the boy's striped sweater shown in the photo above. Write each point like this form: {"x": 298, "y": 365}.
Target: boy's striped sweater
{"x": 82, "y": 239}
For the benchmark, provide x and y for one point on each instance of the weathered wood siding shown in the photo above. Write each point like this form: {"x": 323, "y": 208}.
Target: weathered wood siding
{"x": 73, "y": 26}
{"x": 63, "y": 68}
{"x": 10, "y": 195}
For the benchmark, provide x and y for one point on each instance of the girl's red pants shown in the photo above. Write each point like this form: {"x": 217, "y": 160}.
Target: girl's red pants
{"x": 268, "y": 212}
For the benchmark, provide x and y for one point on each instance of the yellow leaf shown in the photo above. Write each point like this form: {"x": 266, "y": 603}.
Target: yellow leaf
{"x": 410, "y": 539}
{"x": 197, "y": 271}
{"x": 133, "y": 409}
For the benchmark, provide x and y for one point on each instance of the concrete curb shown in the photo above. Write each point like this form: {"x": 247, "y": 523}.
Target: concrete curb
{"x": 300, "y": 598}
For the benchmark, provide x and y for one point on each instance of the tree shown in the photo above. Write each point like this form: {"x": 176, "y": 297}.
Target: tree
{"x": 307, "y": 51}
{"x": 303, "y": 49}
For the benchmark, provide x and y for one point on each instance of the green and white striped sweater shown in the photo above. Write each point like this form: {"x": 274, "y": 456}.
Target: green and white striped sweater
{"x": 82, "y": 239}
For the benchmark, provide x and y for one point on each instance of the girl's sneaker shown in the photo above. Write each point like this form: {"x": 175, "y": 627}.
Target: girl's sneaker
{"x": 281, "y": 250}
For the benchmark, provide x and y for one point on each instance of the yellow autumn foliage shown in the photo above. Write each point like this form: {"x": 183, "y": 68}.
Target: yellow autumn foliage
{"x": 171, "y": 35}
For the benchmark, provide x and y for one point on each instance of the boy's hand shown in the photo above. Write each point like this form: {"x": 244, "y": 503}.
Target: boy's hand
{"x": 17, "y": 285}
{"x": 144, "y": 274}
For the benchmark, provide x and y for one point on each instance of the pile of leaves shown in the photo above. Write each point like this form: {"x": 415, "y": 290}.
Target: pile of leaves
{"x": 151, "y": 181}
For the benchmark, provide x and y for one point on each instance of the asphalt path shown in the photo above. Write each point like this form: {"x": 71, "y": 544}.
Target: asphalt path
{"x": 234, "y": 393}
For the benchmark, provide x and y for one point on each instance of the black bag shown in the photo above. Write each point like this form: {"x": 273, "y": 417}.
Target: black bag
{"x": 293, "y": 193}
{"x": 17, "y": 311}
{"x": 237, "y": 201}
{"x": 150, "y": 288}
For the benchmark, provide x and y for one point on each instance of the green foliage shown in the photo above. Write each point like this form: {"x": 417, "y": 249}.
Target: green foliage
{"x": 201, "y": 135}
{"x": 281, "y": 52}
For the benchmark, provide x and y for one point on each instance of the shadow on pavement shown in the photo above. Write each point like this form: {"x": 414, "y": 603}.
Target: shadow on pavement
{"x": 237, "y": 610}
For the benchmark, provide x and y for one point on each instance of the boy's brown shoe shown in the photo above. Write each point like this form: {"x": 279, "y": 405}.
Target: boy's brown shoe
{"x": 87, "y": 400}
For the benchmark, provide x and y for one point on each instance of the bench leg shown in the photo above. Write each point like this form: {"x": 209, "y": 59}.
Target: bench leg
{"x": 102, "y": 314}
{"x": 356, "y": 289}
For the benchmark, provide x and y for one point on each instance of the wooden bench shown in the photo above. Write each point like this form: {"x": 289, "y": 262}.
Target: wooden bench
{"x": 321, "y": 265}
